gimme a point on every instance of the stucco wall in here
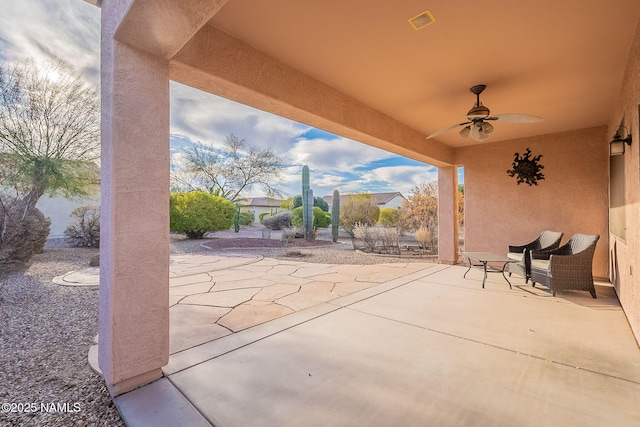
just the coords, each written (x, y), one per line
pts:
(625, 254)
(58, 210)
(573, 197)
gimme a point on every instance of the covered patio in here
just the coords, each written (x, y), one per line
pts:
(425, 348)
(360, 70)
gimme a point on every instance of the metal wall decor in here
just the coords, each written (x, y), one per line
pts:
(526, 168)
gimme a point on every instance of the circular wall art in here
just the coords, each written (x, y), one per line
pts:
(526, 168)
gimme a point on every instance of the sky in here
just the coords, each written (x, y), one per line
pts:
(69, 30)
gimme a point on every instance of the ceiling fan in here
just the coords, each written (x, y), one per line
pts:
(478, 117)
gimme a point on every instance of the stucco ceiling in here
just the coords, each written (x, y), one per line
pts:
(560, 60)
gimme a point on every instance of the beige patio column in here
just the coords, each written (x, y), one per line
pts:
(448, 214)
(134, 254)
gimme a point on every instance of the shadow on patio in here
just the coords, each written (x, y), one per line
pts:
(427, 348)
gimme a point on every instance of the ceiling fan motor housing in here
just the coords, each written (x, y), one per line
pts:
(478, 112)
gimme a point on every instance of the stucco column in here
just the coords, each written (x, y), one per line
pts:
(134, 254)
(448, 214)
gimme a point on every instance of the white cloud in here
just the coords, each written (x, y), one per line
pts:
(400, 178)
(208, 118)
(338, 154)
(67, 30)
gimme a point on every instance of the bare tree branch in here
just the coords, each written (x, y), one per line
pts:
(232, 170)
(50, 129)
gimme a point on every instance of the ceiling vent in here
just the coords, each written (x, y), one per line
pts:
(422, 20)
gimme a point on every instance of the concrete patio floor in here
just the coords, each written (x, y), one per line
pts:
(425, 347)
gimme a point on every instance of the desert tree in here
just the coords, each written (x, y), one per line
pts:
(49, 144)
(358, 210)
(49, 131)
(419, 212)
(229, 171)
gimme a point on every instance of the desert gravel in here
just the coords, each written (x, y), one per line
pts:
(46, 329)
(45, 334)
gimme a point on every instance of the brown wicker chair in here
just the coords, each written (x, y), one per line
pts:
(546, 240)
(567, 267)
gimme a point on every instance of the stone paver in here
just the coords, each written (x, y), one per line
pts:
(211, 296)
(185, 314)
(229, 299)
(309, 295)
(253, 313)
(196, 288)
(275, 292)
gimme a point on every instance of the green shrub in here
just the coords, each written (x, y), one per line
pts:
(358, 209)
(197, 213)
(321, 219)
(293, 202)
(388, 217)
(262, 215)
(246, 218)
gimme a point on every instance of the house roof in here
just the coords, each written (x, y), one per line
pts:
(378, 198)
(265, 202)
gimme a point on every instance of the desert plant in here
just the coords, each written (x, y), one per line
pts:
(369, 235)
(262, 215)
(278, 221)
(196, 213)
(390, 238)
(335, 215)
(321, 219)
(307, 204)
(236, 219)
(420, 210)
(423, 236)
(246, 218)
(388, 217)
(293, 202)
(358, 209)
(49, 130)
(84, 230)
(290, 233)
(23, 230)
(229, 170)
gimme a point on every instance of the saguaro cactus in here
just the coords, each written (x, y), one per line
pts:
(335, 215)
(236, 219)
(307, 205)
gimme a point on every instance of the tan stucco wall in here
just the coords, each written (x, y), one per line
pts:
(573, 197)
(625, 254)
(134, 223)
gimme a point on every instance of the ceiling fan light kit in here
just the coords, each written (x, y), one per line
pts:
(477, 124)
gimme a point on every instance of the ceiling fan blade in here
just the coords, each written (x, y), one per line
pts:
(515, 118)
(441, 131)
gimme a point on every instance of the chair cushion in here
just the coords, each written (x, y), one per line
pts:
(540, 264)
(515, 255)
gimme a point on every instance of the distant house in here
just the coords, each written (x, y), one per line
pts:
(258, 205)
(383, 200)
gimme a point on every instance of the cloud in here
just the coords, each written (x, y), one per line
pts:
(399, 178)
(64, 30)
(210, 119)
(69, 30)
(339, 154)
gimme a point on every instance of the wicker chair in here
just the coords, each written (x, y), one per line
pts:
(546, 240)
(567, 267)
